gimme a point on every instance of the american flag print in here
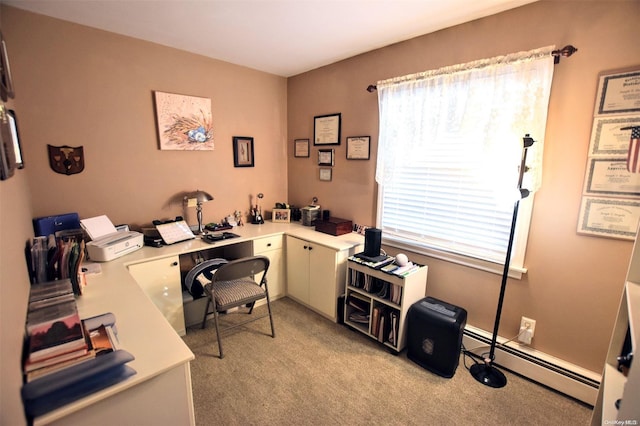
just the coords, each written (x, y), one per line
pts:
(633, 158)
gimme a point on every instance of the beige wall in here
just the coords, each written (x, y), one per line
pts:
(574, 281)
(84, 87)
(78, 86)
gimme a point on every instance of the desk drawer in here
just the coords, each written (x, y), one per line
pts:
(260, 245)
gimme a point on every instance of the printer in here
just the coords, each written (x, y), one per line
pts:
(107, 243)
(114, 245)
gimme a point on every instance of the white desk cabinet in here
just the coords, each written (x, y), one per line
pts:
(160, 280)
(271, 247)
(315, 275)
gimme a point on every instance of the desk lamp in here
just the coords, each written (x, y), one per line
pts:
(197, 198)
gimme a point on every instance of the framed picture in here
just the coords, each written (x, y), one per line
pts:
(325, 174)
(325, 157)
(358, 147)
(618, 93)
(301, 148)
(242, 151)
(15, 138)
(6, 83)
(607, 137)
(326, 129)
(184, 122)
(281, 215)
(610, 177)
(609, 217)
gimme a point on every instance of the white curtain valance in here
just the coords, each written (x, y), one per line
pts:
(483, 107)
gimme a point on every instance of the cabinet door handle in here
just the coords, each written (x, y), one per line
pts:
(174, 264)
(268, 244)
(305, 247)
(310, 248)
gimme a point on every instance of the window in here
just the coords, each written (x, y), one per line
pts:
(449, 149)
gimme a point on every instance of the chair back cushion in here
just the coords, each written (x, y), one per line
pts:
(191, 282)
(243, 268)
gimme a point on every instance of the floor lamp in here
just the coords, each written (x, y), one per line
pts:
(486, 373)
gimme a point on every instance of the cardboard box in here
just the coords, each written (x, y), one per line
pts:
(334, 226)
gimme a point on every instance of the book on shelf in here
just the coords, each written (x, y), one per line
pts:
(406, 269)
(372, 263)
(358, 303)
(359, 317)
(395, 293)
(377, 314)
(393, 332)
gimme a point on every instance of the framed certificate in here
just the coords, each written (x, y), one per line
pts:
(358, 147)
(325, 157)
(618, 93)
(326, 129)
(325, 174)
(610, 177)
(301, 148)
(609, 217)
(606, 137)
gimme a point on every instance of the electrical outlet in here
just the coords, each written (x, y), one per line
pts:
(527, 330)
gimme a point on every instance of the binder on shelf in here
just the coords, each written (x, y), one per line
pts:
(50, 392)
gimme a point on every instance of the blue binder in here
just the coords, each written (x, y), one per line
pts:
(47, 225)
(70, 384)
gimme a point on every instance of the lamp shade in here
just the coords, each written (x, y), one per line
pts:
(200, 196)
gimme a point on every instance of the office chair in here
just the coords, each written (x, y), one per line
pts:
(238, 283)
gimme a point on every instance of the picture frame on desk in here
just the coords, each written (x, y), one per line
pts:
(281, 215)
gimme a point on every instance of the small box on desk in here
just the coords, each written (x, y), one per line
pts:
(334, 226)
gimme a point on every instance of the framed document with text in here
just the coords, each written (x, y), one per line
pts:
(607, 217)
(608, 138)
(326, 129)
(358, 147)
(301, 148)
(618, 93)
(610, 177)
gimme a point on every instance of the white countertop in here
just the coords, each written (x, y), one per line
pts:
(142, 329)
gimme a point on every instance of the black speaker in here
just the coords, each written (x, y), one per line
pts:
(372, 242)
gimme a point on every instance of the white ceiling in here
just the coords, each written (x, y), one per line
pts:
(282, 37)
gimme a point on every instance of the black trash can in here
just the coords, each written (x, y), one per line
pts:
(434, 335)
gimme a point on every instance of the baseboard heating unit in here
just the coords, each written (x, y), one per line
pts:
(545, 369)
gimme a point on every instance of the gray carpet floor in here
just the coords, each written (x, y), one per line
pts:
(315, 372)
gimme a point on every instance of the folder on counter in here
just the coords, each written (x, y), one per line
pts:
(70, 384)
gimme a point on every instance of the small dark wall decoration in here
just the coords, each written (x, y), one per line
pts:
(66, 160)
